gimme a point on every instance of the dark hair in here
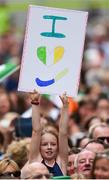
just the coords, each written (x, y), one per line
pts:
(98, 141)
(1, 138)
(10, 175)
(102, 97)
(86, 102)
(75, 150)
(79, 140)
(76, 117)
(70, 143)
(4, 176)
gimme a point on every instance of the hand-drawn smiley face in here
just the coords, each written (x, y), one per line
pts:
(58, 54)
(58, 51)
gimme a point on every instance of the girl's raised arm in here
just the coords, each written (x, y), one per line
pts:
(63, 134)
(36, 127)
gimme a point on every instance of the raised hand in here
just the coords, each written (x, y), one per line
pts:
(35, 97)
(64, 100)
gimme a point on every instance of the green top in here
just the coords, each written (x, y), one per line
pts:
(61, 177)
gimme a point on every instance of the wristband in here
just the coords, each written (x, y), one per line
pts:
(35, 102)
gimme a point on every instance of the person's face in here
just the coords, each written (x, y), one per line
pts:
(4, 104)
(37, 171)
(83, 142)
(101, 170)
(70, 167)
(103, 108)
(40, 173)
(101, 132)
(49, 146)
(85, 162)
(95, 147)
(86, 110)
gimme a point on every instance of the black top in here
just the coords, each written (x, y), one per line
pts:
(55, 170)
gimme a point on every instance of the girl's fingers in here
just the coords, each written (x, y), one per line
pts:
(34, 95)
(64, 98)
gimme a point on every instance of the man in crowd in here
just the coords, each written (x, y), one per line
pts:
(84, 162)
(35, 170)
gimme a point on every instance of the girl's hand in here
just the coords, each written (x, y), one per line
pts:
(64, 100)
(35, 97)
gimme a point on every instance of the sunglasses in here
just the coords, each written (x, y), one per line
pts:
(103, 139)
(41, 176)
(12, 174)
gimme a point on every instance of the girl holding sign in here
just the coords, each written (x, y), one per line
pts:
(47, 146)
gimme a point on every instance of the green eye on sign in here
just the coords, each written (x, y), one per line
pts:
(41, 53)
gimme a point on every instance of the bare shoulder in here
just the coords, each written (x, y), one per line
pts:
(38, 158)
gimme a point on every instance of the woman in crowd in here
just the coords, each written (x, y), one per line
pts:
(9, 168)
(47, 146)
(100, 168)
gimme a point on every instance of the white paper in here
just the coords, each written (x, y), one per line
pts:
(53, 58)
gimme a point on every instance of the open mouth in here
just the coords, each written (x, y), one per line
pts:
(49, 153)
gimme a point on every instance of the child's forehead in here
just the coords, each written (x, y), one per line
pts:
(48, 136)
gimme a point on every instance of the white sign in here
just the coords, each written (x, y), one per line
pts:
(53, 49)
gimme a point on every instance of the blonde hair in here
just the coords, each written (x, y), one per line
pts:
(18, 150)
(8, 162)
(94, 126)
(50, 129)
(77, 176)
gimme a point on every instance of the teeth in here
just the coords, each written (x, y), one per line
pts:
(49, 152)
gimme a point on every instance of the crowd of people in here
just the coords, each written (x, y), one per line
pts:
(39, 139)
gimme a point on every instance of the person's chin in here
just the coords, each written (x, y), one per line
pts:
(87, 173)
(49, 157)
(71, 172)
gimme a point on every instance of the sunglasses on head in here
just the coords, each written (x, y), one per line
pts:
(103, 139)
(12, 174)
(40, 176)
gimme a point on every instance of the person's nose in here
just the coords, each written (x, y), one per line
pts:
(87, 162)
(49, 146)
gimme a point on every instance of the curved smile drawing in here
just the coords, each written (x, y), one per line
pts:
(44, 83)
